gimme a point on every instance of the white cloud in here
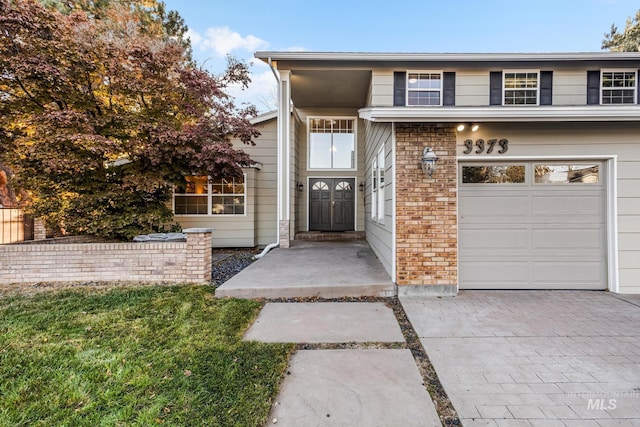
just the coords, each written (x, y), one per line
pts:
(222, 41)
(262, 91)
(296, 49)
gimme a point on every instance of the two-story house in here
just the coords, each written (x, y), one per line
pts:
(463, 171)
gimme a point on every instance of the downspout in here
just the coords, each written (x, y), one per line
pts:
(277, 242)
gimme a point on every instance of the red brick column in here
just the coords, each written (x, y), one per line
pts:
(426, 211)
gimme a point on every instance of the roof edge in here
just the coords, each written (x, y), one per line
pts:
(459, 57)
(606, 113)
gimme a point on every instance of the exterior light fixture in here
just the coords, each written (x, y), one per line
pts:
(361, 186)
(460, 127)
(474, 127)
(300, 186)
(429, 160)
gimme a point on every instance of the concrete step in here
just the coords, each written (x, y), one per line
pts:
(237, 290)
(330, 236)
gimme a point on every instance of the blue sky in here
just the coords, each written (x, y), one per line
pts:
(240, 27)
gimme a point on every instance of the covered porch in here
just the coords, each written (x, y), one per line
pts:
(321, 269)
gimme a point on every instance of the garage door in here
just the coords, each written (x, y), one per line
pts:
(533, 225)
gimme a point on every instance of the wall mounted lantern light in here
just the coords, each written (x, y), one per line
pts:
(300, 186)
(361, 186)
(429, 160)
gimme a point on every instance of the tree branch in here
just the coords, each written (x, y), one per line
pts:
(31, 97)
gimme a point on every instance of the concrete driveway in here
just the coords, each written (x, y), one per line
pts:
(543, 358)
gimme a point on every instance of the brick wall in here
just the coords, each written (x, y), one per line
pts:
(188, 261)
(426, 211)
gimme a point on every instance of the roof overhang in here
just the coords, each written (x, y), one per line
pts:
(595, 113)
(270, 56)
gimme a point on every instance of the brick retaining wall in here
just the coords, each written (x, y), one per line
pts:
(188, 261)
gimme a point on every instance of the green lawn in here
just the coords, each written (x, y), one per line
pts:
(134, 357)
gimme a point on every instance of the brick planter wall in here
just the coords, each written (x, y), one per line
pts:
(188, 261)
(426, 211)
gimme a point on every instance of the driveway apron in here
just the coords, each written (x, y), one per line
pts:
(543, 358)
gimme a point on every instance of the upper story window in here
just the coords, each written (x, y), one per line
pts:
(424, 88)
(201, 196)
(520, 87)
(332, 143)
(618, 87)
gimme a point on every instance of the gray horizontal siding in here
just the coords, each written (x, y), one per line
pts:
(380, 235)
(585, 139)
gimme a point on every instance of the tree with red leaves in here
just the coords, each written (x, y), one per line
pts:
(101, 114)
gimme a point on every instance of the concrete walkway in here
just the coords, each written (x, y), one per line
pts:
(312, 269)
(356, 387)
(542, 358)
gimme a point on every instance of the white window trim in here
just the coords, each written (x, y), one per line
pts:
(210, 203)
(381, 185)
(504, 88)
(355, 143)
(619, 70)
(374, 188)
(407, 90)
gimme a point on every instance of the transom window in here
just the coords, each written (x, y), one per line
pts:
(320, 186)
(343, 186)
(618, 87)
(520, 87)
(424, 88)
(332, 143)
(201, 196)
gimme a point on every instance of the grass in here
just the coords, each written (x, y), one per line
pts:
(134, 357)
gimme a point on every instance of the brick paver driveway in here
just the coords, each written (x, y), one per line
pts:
(539, 358)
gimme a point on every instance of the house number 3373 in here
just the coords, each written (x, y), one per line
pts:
(480, 146)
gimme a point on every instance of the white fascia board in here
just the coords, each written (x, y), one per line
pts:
(499, 113)
(264, 117)
(457, 57)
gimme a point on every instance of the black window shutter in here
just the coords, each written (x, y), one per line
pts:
(593, 87)
(495, 88)
(399, 88)
(449, 89)
(546, 87)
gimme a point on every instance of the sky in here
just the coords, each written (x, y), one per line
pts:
(218, 28)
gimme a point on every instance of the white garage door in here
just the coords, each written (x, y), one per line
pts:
(532, 225)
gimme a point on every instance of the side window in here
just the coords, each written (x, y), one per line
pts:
(381, 167)
(377, 186)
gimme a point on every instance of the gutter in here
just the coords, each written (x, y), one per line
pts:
(277, 242)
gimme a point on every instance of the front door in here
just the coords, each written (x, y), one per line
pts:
(331, 204)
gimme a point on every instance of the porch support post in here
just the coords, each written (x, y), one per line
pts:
(284, 157)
